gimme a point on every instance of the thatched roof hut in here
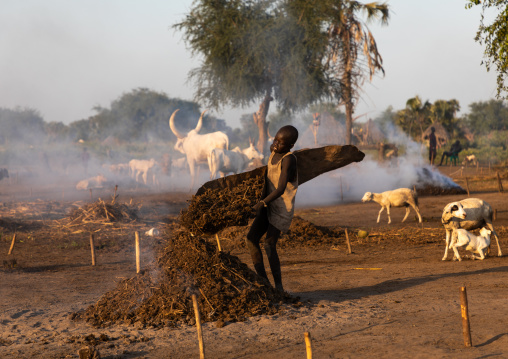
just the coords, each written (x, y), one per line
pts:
(441, 134)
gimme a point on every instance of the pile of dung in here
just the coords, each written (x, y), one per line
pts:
(302, 233)
(103, 211)
(430, 190)
(227, 290)
(216, 209)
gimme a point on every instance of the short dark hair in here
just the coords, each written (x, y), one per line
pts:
(290, 132)
(433, 129)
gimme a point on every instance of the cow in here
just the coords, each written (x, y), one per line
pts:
(197, 147)
(143, 168)
(470, 160)
(224, 161)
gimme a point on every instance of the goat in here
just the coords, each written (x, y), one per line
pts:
(93, 182)
(401, 197)
(477, 244)
(470, 213)
(471, 159)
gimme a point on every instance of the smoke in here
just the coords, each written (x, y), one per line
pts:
(349, 184)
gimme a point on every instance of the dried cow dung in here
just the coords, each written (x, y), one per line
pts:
(216, 209)
(226, 288)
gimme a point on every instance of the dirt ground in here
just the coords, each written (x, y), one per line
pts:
(393, 296)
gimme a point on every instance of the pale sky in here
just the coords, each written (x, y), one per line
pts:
(64, 57)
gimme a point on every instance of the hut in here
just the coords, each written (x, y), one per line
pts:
(441, 134)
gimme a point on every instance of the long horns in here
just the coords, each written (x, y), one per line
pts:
(176, 132)
(200, 122)
(172, 125)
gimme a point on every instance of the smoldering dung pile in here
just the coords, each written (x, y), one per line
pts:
(227, 290)
(432, 183)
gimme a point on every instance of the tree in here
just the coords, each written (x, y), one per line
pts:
(485, 117)
(256, 51)
(352, 51)
(493, 37)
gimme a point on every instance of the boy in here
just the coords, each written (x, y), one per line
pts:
(275, 210)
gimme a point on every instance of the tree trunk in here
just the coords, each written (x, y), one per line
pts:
(260, 121)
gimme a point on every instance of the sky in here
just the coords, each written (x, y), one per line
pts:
(63, 58)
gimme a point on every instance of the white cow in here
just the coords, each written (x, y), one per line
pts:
(197, 147)
(471, 159)
(143, 168)
(223, 161)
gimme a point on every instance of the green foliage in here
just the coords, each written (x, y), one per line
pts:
(21, 125)
(252, 49)
(485, 117)
(493, 37)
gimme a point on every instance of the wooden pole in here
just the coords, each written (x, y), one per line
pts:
(477, 165)
(138, 263)
(218, 242)
(466, 330)
(92, 248)
(198, 326)
(12, 244)
(308, 345)
(467, 186)
(114, 195)
(91, 199)
(348, 243)
(494, 217)
(341, 194)
(499, 183)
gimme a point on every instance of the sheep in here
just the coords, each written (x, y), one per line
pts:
(401, 197)
(93, 182)
(476, 244)
(478, 213)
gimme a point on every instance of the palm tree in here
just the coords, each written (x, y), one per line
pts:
(352, 52)
(418, 112)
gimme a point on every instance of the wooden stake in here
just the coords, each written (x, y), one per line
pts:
(499, 183)
(114, 195)
(138, 263)
(92, 248)
(12, 244)
(308, 345)
(494, 217)
(341, 195)
(467, 186)
(198, 326)
(466, 330)
(348, 243)
(218, 242)
(477, 165)
(90, 194)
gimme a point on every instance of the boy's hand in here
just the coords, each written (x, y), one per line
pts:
(258, 207)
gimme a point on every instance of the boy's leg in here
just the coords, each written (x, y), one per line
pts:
(272, 236)
(257, 230)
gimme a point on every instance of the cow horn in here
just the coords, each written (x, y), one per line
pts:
(200, 122)
(172, 125)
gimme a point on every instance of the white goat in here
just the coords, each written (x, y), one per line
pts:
(471, 159)
(93, 182)
(477, 244)
(401, 197)
(470, 213)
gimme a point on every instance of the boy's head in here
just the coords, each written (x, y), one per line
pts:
(285, 139)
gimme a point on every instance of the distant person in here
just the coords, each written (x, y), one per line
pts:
(454, 151)
(85, 157)
(432, 145)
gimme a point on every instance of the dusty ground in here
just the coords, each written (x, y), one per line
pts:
(392, 297)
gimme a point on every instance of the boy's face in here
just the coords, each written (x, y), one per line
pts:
(281, 143)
